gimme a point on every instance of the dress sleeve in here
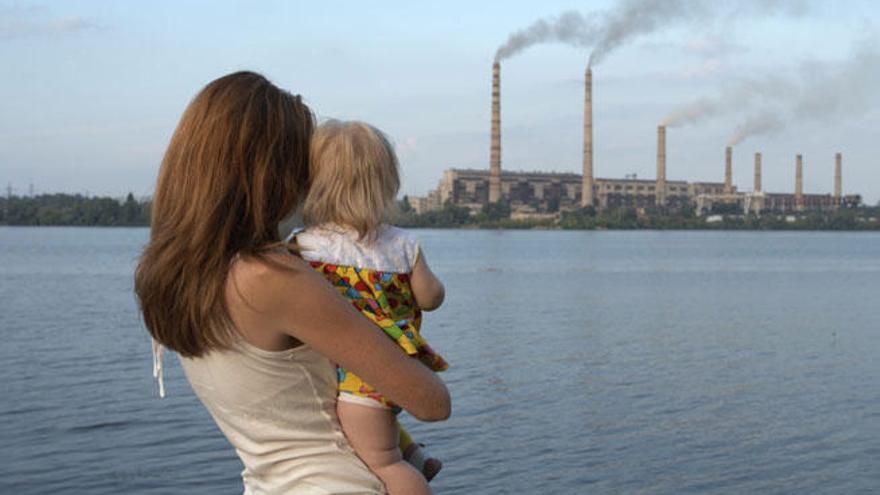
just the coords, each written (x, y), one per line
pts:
(406, 244)
(414, 250)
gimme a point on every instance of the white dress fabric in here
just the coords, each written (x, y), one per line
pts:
(390, 249)
(278, 409)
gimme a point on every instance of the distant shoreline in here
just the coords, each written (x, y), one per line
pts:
(455, 217)
(67, 210)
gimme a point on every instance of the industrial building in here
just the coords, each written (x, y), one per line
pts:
(551, 192)
(547, 193)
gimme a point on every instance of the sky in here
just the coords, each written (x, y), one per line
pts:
(92, 90)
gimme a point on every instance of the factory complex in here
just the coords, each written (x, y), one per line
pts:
(542, 194)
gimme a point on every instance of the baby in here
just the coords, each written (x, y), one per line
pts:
(383, 272)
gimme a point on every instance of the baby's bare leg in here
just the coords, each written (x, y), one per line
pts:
(415, 454)
(373, 434)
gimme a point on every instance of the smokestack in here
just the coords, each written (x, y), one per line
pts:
(660, 189)
(587, 186)
(838, 177)
(757, 172)
(799, 183)
(495, 146)
(728, 170)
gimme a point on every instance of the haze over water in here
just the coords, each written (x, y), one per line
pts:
(582, 362)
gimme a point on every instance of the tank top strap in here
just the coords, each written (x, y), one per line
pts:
(158, 350)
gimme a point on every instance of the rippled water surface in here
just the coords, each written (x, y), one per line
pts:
(583, 362)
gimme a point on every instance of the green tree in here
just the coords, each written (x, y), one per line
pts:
(404, 205)
(131, 211)
(496, 211)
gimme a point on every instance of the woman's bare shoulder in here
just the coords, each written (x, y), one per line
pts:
(263, 282)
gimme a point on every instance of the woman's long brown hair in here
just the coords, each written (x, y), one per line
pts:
(236, 166)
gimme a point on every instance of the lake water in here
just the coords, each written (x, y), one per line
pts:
(582, 362)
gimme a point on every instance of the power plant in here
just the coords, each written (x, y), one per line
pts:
(544, 194)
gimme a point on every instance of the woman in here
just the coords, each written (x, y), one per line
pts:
(257, 329)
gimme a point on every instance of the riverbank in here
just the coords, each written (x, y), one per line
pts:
(74, 210)
(858, 219)
(88, 211)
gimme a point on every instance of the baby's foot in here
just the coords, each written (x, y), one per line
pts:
(416, 455)
(432, 467)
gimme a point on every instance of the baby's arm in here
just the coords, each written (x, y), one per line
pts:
(427, 288)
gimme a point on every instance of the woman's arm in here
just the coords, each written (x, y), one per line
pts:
(427, 288)
(293, 299)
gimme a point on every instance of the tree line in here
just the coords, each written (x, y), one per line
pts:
(79, 210)
(74, 210)
(497, 215)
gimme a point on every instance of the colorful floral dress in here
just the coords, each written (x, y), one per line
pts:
(374, 274)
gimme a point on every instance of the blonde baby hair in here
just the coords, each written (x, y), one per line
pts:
(353, 177)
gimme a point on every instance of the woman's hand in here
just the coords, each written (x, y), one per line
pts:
(285, 296)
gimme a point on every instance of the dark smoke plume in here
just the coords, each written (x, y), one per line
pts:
(570, 28)
(630, 19)
(606, 31)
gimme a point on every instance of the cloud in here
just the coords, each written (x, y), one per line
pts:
(407, 148)
(714, 51)
(706, 69)
(712, 45)
(20, 22)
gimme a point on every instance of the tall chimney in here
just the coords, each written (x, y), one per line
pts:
(728, 170)
(660, 187)
(757, 172)
(838, 178)
(587, 186)
(799, 183)
(495, 147)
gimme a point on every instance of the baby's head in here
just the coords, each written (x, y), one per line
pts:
(353, 177)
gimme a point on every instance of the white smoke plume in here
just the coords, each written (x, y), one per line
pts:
(730, 100)
(814, 92)
(606, 31)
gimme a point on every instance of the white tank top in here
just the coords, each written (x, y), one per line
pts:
(278, 409)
